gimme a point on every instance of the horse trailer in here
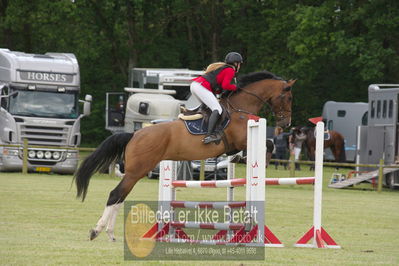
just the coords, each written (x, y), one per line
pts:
(345, 117)
(153, 94)
(380, 138)
(39, 102)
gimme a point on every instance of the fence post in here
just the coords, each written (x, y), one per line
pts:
(380, 175)
(25, 157)
(202, 170)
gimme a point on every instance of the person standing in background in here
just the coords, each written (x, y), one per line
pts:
(281, 145)
(297, 139)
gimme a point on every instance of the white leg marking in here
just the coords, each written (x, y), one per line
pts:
(104, 219)
(111, 221)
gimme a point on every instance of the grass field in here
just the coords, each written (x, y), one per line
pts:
(42, 222)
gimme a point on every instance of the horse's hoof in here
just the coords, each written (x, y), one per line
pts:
(238, 159)
(111, 236)
(93, 234)
(235, 159)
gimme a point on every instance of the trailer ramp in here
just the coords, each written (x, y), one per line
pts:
(361, 178)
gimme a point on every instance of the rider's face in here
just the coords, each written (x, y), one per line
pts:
(237, 66)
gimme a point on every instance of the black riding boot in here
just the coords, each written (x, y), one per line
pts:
(211, 136)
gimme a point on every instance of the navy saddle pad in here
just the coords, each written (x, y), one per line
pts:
(198, 127)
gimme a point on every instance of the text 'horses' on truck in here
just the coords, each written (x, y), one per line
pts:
(39, 102)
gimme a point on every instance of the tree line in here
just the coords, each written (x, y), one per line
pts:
(335, 48)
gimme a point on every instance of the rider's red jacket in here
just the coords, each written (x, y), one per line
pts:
(223, 79)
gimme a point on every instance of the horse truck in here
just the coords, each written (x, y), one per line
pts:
(39, 102)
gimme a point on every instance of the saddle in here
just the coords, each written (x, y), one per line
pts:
(196, 120)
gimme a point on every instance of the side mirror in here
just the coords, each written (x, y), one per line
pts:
(87, 105)
(86, 108)
(88, 98)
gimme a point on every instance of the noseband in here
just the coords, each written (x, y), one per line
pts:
(280, 114)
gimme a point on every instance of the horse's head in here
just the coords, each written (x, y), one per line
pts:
(281, 103)
(260, 88)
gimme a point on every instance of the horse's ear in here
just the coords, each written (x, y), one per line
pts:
(289, 84)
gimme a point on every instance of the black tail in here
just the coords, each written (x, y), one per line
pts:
(109, 150)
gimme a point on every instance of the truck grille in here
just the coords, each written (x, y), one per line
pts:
(43, 135)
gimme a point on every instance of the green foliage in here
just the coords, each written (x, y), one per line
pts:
(334, 48)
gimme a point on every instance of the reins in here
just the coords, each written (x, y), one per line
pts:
(279, 114)
(241, 110)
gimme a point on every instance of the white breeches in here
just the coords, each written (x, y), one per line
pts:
(297, 152)
(205, 96)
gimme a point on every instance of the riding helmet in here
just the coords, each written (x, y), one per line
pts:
(233, 57)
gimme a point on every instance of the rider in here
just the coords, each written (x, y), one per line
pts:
(218, 77)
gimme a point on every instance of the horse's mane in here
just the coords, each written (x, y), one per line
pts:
(254, 77)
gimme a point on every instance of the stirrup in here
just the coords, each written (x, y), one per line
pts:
(212, 138)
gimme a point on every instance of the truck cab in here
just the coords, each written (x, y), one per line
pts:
(39, 102)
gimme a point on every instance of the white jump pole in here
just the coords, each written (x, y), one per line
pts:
(166, 191)
(256, 174)
(319, 237)
(318, 186)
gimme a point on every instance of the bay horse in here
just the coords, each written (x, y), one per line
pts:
(145, 148)
(335, 141)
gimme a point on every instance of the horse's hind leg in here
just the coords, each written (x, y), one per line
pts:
(115, 201)
(110, 211)
(111, 222)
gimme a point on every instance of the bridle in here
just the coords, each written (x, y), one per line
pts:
(279, 115)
